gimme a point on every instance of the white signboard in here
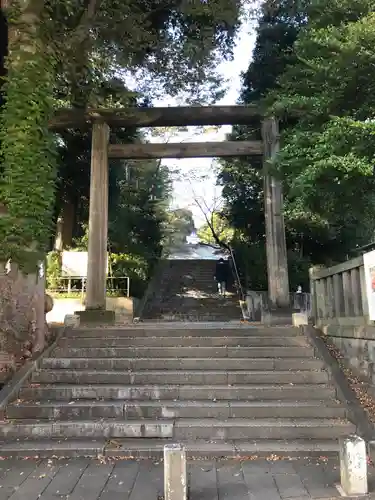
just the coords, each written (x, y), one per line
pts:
(74, 264)
(369, 265)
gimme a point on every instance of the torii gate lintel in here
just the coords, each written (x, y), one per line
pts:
(102, 120)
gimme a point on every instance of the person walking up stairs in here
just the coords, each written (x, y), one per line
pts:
(188, 292)
(221, 276)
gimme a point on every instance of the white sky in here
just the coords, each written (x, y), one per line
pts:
(190, 170)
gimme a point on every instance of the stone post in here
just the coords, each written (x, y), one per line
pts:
(277, 262)
(337, 294)
(314, 308)
(98, 222)
(353, 466)
(330, 297)
(356, 291)
(347, 288)
(364, 302)
(175, 475)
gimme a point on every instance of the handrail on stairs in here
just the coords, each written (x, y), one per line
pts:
(236, 274)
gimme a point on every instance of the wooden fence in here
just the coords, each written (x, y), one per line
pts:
(339, 294)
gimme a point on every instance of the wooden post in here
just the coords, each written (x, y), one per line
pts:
(98, 219)
(277, 263)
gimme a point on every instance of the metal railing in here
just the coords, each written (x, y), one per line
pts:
(76, 285)
(236, 275)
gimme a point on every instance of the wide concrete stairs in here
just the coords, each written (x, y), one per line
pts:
(187, 291)
(221, 390)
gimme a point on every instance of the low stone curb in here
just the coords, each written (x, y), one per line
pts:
(9, 390)
(365, 428)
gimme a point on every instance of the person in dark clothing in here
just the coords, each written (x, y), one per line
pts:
(221, 276)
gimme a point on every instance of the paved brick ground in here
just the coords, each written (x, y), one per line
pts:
(131, 480)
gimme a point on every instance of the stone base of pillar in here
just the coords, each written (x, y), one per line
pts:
(96, 316)
(277, 316)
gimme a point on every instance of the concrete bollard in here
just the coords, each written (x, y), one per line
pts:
(175, 475)
(353, 466)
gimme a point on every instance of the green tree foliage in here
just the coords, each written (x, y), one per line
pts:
(138, 208)
(174, 45)
(27, 149)
(328, 156)
(133, 187)
(68, 52)
(179, 224)
(216, 228)
(138, 203)
(242, 178)
(313, 66)
(3, 52)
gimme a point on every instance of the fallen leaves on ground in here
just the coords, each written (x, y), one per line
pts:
(358, 386)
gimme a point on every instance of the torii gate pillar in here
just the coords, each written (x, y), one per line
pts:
(98, 229)
(277, 261)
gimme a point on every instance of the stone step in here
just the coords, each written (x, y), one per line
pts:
(153, 448)
(194, 317)
(189, 330)
(208, 294)
(180, 377)
(221, 311)
(181, 429)
(183, 352)
(93, 409)
(243, 341)
(185, 306)
(224, 313)
(282, 428)
(36, 392)
(136, 364)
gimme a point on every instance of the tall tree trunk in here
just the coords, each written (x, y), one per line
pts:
(65, 227)
(24, 47)
(3, 51)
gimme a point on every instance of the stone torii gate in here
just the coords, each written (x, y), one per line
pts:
(102, 119)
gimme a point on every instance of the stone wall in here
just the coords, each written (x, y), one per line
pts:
(22, 320)
(357, 346)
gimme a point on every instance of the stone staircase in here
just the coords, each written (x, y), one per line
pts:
(221, 389)
(188, 292)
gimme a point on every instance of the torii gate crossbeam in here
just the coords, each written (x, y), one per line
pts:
(101, 120)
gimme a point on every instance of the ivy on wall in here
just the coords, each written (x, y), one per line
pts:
(28, 169)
